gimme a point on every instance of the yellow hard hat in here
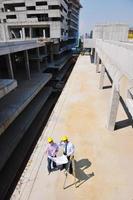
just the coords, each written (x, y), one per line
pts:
(64, 138)
(50, 139)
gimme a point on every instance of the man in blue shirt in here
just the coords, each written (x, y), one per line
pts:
(68, 150)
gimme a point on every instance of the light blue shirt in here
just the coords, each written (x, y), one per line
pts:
(70, 148)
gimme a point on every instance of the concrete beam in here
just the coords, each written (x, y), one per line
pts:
(21, 45)
(113, 108)
(26, 57)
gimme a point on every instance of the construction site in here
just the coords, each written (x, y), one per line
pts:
(49, 91)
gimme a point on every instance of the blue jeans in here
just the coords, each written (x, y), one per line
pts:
(50, 163)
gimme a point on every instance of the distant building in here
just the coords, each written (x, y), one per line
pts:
(116, 32)
(27, 19)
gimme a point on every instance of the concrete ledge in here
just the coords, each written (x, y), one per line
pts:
(60, 63)
(7, 85)
(64, 70)
(15, 46)
(14, 103)
(11, 138)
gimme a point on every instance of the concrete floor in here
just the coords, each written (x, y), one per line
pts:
(81, 113)
(14, 103)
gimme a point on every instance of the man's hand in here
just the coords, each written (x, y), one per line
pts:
(72, 157)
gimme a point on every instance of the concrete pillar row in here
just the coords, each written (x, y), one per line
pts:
(101, 83)
(113, 108)
(27, 65)
(9, 66)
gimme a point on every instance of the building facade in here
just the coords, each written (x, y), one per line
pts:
(26, 19)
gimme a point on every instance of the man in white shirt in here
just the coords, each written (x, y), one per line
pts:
(68, 150)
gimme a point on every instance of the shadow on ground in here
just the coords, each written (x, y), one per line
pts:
(107, 87)
(80, 176)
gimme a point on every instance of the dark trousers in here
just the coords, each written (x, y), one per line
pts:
(50, 163)
(68, 166)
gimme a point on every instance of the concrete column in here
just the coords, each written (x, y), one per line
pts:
(45, 51)
(113, 108)
(101, 83)
(30, 32)
(51, 53)
(23, 33)
(91, 53)
(38, 61)
(4, 31)
(95, 57)
(26, 57)
(97, 64)
(9, 66)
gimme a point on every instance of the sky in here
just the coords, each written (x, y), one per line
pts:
(104, 11)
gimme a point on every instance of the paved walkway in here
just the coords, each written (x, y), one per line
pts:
(81, 113)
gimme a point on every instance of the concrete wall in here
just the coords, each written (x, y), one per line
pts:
(116, 32)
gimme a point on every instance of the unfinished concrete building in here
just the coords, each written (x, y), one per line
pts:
(113, 56)
(26, 19)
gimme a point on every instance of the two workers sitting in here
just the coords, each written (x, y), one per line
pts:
(52, 150)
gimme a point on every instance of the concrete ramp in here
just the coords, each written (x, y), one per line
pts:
(104, 160)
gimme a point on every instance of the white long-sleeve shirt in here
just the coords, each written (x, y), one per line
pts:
(70, 148)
